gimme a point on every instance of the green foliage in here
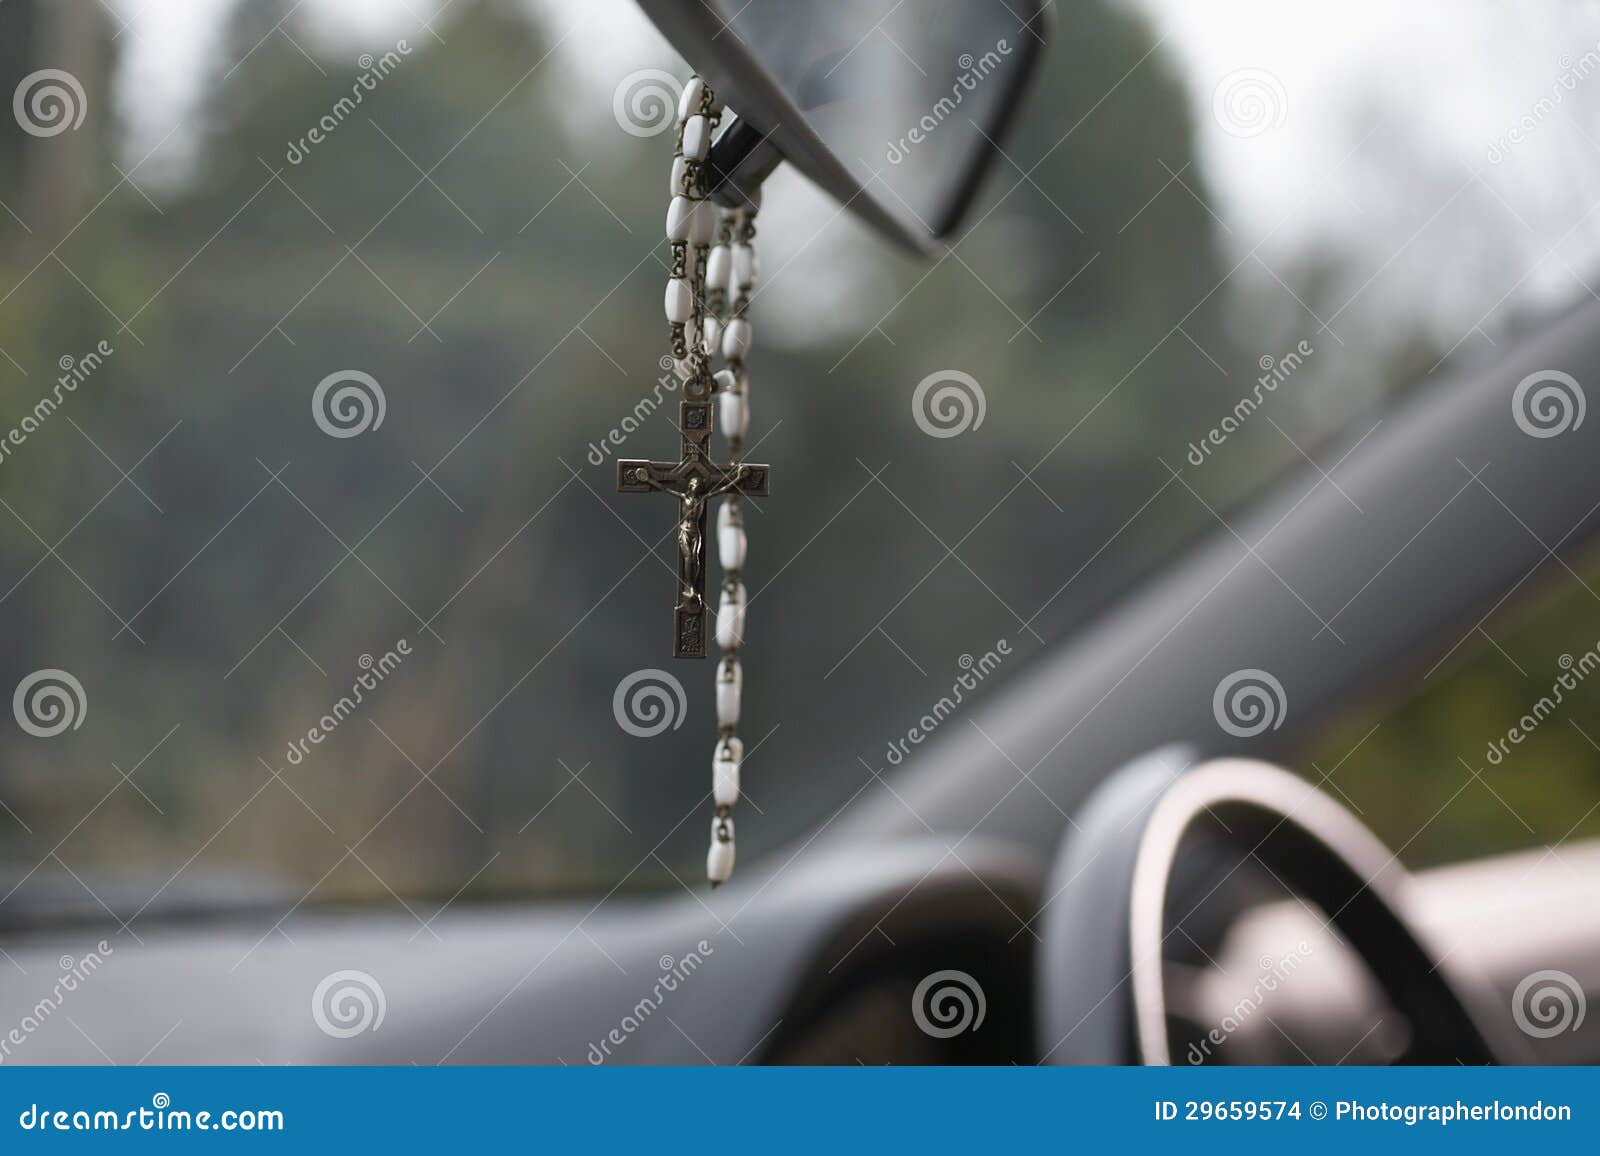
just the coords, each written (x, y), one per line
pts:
(1440, 775)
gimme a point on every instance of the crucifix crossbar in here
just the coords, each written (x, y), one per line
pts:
(694, 481)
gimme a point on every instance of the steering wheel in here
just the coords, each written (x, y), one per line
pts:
(1102, 984)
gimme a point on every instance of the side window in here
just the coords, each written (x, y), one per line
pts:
(1496, 749)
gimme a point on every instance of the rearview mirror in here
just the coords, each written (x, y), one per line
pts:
(896, 109)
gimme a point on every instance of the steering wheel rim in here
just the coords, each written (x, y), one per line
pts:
(1105, 917)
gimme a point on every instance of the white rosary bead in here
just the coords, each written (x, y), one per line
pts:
(733, 413)
(730, 687)
(719, 266)
(731, 543)
(713, 334)
(719, 860)
(680, 300)
(680, 212)
(677, 184)
(725, 772)
(744, 266)
(689, 98)
(730, 618)
(736, 339)
(696, 137)
(691, 220)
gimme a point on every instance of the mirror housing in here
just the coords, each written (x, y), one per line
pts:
(771, 126)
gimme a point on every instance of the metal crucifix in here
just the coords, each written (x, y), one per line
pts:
(694, 481)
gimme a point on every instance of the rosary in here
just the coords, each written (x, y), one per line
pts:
(708, 291)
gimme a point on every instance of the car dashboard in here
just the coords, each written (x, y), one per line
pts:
(916, 954)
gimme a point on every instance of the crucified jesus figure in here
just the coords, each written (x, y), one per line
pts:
(693, 480)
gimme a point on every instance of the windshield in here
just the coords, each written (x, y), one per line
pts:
(323, 328)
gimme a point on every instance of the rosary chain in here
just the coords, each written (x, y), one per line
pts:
(691, 225)
(708, 291)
